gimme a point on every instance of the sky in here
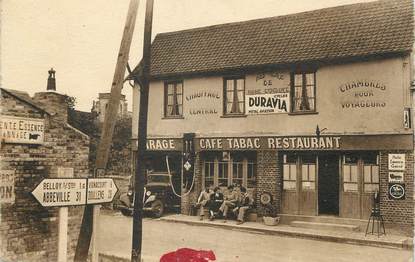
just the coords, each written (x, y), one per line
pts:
(80, 39)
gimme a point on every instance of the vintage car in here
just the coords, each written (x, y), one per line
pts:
(158, 196)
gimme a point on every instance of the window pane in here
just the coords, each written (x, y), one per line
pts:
(350, 187)
(289, 185)
(240, 84)
(310, 79)
(350, 159)
(290, 158)
(304, 172)
(298, 81)
(286, 172)
(293, 172)
(308, 185)
(308, 159)
(370, 158)
(312, 172)
(353, 173)
(179, 88)
(375, 174)
(367, 174)
(371, 187)
(170, 88)
(346, 173)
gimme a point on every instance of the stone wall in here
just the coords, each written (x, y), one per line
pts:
(28, 231)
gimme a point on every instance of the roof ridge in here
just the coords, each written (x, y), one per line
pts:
(259, 20)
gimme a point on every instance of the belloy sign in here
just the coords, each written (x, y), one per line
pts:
(396, 162)
(61, 192)
(7, 178)
(396, 191)
(21, 130)
(58, 192)
(101, 190)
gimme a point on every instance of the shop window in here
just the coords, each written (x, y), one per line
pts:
(235, 168)
(223, 174)
(289, 172)
(308, 172)
(251, 174)
(209, 173)
(173, 99)
(370, 173)
(234, 96)
(350, 173)
(303, 92)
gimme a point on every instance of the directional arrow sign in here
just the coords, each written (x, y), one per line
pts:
(61, 192)
(101, 190)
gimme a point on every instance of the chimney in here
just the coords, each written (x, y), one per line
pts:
(51, 80)
(52, 101)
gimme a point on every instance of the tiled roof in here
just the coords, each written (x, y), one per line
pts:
(343, 32)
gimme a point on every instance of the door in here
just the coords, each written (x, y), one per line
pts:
(328, 184)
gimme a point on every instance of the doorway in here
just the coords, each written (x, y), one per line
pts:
(328, 184)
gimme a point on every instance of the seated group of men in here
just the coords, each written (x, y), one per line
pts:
(237, 199)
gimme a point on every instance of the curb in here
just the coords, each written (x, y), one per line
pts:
(405, 244)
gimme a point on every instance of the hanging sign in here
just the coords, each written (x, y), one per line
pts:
(395, 177)
(21, 130)
(396, 191)
(396, 162)
(7, 178)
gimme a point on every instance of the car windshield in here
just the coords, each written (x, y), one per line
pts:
(158, 179)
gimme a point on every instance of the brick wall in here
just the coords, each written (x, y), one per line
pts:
(269, 179)
(397, 211)
(28, 231)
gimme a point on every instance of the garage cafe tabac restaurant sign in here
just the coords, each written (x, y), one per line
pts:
(21, 130)
(246, 143)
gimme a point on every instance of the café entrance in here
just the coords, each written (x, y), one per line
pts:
(328, 184)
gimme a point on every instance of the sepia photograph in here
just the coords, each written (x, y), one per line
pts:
(207, 130)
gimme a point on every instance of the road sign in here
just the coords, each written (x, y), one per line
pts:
(59, 192)
(101, 190)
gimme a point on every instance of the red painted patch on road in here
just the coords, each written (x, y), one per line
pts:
(188, 255)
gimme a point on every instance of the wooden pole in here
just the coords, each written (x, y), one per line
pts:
(111, 115)
(142, 138)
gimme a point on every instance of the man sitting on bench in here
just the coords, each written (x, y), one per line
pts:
(244, 205)
(202, 201)
(231, 201)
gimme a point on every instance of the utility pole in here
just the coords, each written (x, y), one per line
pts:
(142, 138)
(91, 213)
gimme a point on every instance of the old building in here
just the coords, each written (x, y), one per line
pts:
(313, 108)
(36, 143)
(100, 107)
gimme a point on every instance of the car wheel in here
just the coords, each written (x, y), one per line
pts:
(126, 212)
(158, 208)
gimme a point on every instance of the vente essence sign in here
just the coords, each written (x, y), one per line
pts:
(21, 130)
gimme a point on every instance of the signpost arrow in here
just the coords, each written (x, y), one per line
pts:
(59, 192)
(101, 190)
(55, 192)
